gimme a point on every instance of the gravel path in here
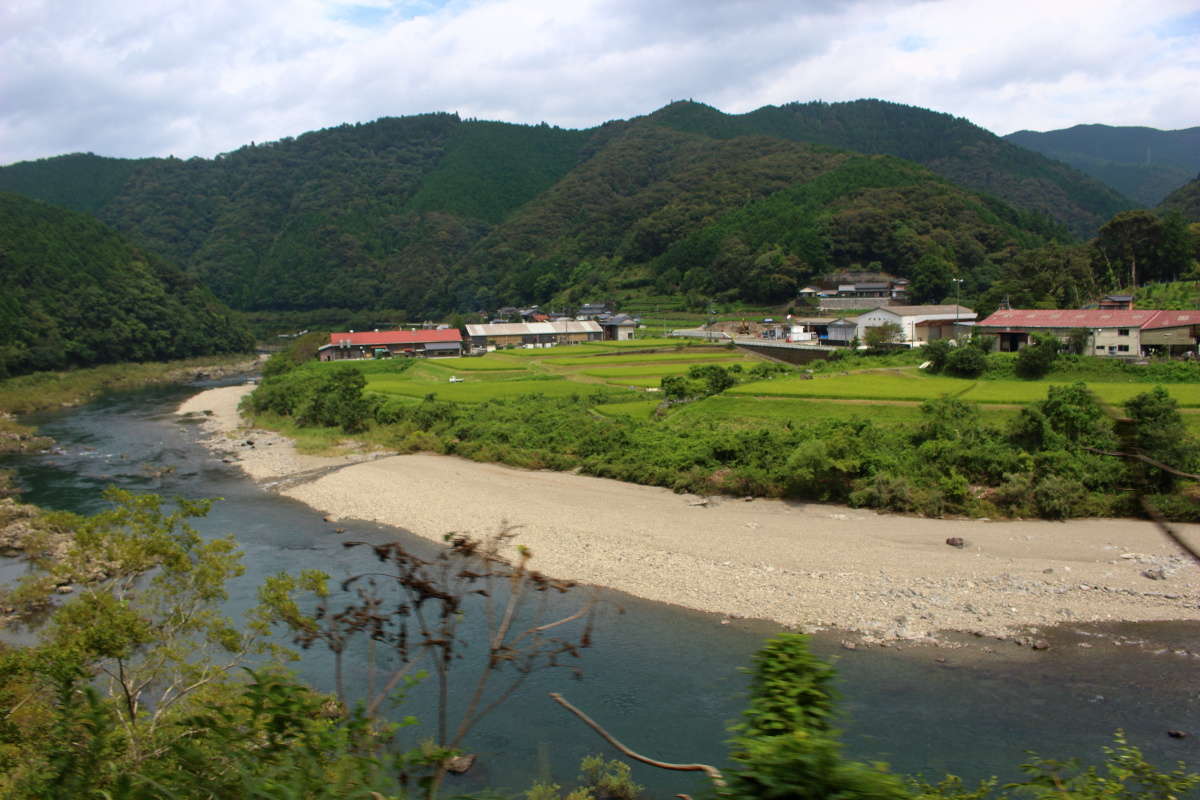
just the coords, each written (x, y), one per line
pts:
(809, 566)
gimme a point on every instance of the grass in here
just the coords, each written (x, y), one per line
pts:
(903, 385)
(491, 363)
(743, 411)
(647, 358)
(639, 370)
(481, 391)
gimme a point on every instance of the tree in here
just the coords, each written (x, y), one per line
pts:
(143, 627)
(1159, 432)
(1037, 359)
(966, 361)
(1129, 243)
(786, 746)
(877, 336)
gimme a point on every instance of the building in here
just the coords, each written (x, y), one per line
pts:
(374, 344)
(841, 331)
(918, 324)
(618, 327)
(532, 334)
(1109, 332)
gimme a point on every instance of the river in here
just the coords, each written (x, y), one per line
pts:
(663, 679)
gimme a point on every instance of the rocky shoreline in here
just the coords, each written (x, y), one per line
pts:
(882, 579)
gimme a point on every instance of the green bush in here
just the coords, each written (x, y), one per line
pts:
(966, 362)
(1037, 359)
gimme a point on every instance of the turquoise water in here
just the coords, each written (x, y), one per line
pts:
(664, 679)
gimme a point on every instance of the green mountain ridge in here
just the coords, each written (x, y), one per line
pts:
(1145, 164)
(433, 213)
(1185, 200)
(77, 294)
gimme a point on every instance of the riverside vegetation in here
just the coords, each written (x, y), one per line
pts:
(748, 428)
(137, 687)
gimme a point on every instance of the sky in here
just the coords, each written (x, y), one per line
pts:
(185, 78)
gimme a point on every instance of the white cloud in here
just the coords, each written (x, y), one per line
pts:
(152, 78)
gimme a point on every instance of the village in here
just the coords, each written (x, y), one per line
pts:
(1113, 327)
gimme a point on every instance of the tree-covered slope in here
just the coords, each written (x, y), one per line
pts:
(1144, 164)
(353, 216)
(76, 293)
(1185, 200)
(745, 218)
(431, 213)
(950, 146)
(79, 181)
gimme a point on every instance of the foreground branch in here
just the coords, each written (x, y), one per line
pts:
(713, 773)
(1150, 510)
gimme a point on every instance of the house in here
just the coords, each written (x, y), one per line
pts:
(1116, 302)
(532, 334)
(373, 344)
(592, 311)
(1126, 333)
(618, 327)
(918, 324)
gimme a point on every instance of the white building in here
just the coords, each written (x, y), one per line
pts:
(918, 324)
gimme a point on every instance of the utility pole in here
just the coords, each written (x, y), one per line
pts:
(957, 305)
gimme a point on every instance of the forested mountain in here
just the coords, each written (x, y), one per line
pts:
(76, 293)
(1144, 164)
(1185, 200)
(952, 147)
(432, 213)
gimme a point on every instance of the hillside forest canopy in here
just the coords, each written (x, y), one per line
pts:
(76, 293)
(433, 214)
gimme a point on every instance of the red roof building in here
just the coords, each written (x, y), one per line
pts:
(374, 344)
(1115, 332)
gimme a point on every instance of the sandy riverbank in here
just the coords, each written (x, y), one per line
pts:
(804, 565)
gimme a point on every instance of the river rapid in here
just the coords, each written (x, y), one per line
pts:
(663, 679)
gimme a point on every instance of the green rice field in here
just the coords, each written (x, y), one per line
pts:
(896, 385)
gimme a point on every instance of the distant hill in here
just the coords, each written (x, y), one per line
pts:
(1145, 164)
(76, 294)
(1185, 200)
(954, 148)
(433, 213)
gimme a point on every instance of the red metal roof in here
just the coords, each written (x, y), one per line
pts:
(1173, 319)
(381, 338)
(1070, 318)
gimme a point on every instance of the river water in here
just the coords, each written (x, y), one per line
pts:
(663, 679)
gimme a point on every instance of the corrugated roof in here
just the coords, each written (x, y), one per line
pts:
(380, 338)
(534, 328)
(1172, 319)
(1069, 318)
(916, 311)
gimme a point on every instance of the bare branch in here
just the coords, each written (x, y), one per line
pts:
(1150, 510)
(713, 773)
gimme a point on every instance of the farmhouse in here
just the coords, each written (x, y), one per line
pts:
(533, 334)
(618, 327)
(918, 324)
(1111, 332)
(372, 344)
